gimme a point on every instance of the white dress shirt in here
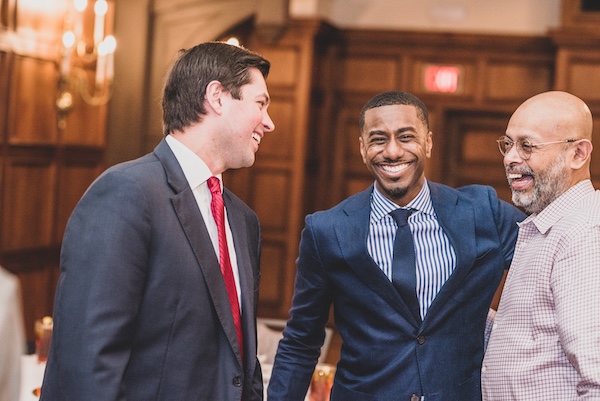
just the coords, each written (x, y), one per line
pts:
(197, 173)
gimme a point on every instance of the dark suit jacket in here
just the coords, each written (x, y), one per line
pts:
(386, 354)
(141, 310)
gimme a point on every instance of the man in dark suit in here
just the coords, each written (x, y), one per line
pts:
(411, 329)
(142, 309)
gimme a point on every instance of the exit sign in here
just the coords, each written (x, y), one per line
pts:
(439, 78)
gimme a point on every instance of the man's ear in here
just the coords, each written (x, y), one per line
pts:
(214, 92)
(583, 152)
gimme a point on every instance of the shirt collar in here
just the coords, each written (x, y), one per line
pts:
(382, 206)
(564, 205)
(195, 170)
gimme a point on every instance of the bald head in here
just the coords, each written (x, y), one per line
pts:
(556, 115)
(559, 125)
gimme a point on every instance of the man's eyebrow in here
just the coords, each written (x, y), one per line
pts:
(405, 129)
(376, 132)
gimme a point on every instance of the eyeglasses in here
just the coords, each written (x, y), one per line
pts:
(524, 146)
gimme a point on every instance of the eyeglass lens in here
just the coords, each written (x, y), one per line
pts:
(524, 147)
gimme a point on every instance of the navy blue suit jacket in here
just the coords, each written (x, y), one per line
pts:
(386, 353)
(141, 309)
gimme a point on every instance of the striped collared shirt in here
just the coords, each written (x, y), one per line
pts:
(435, 257)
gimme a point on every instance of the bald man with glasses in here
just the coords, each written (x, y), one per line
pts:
(545, 343)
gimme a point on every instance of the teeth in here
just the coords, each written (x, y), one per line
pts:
(394, 169)
(514, 176)
(256, 137)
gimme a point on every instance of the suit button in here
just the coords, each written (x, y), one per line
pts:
(237, 381)
(421, 340)
(414, 397)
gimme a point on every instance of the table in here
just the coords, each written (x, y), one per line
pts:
(32, 374)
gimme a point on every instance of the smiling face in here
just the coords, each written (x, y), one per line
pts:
(533, 190)
(547, 173)
(246, 122)
(394, 144)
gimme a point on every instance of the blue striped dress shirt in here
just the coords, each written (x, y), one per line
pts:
(435, 257)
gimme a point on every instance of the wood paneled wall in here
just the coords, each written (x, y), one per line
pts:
(44, 170)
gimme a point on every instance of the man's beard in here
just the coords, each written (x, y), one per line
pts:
(548, 185)
(397, 193)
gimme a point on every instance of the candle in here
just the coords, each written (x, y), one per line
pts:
(100, 9)
(80, 6)
(68, 41)
(111, 45)
(101, 64)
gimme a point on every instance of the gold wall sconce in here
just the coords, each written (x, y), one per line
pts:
(86, 66)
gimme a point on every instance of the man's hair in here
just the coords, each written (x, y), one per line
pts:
(185, 86)
(391, 98)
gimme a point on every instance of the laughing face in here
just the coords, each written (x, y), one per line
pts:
(246, 123)
(534, 190)
(545, 175)
(394, 145)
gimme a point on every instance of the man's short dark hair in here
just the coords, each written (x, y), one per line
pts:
(185, 87)
(391, 98)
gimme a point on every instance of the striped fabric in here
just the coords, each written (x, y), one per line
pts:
(435, 256)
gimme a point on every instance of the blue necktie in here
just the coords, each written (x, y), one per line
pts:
(404, 275)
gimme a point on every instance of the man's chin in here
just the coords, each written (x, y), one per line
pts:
(524, 201)
(396, 192)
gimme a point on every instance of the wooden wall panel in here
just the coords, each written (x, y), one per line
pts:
(516, 80)
(31, 108)
(270, 198)
(279, 144)
(369, 74)
(282, 57)
(584, 78)
(273, 273)
(28, 204)
(472, 155)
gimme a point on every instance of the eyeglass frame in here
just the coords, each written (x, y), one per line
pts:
(526, 154)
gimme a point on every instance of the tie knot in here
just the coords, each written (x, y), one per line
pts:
(401, 216)
(213, 185)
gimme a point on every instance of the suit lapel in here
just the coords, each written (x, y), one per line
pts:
(352, 233)
(192, 223)
(457, 219)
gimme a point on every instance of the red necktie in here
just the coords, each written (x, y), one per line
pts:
(218, 210)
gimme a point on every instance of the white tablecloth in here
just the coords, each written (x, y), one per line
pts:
(32, 374)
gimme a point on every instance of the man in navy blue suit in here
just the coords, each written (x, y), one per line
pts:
(142, 308)
(423, 342)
